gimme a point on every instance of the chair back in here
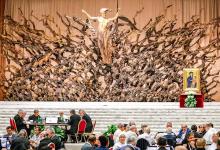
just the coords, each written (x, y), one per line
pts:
(13, 124)
(93, 125)
(81, 126)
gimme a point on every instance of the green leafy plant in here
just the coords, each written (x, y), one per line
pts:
(190, 100)
(111, 130)
(59, 132)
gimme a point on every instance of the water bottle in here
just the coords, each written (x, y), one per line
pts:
(8, 145)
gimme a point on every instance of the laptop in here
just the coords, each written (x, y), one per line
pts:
(51, 120)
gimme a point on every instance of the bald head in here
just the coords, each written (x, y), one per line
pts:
(180, 148)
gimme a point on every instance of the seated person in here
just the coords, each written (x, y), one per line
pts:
(180, 148)
(88, 120)
(35, 138)
(10, 134)
(54, 138)
(62, 118)
(131, 144)
(218, 144)
(103, 143)
(118, 132)
(183, 133)
(132, 131)
(201, 130)
(143, 144)
(194, 131)
(200, 144)
(90, 145)
(121, 142)
(170, 137)
(190, 143)
(147, 135)
(142, 129)
(21, 141)
(36, 118)
(162, 142)
(45, 144)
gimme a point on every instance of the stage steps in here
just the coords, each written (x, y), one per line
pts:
(107, 113)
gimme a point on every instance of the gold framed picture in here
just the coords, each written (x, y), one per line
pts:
(191, 79)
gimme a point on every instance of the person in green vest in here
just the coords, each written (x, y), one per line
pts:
(36, 120)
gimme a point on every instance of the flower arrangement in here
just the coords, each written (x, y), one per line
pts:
(190, 100)
(109, 134)
(111, 130)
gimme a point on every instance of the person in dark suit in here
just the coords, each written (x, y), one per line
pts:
(44, 144)
(54, 138)
(10, 134)
(21, 141)
(73, 122)
(88, 120)
(19, 120)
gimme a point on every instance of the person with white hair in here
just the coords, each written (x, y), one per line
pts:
(19, 120)
(103, 36)
(209, 133)
(88, 120)
(147, 135)
(121, 142)
(131, 144)
(132, 131)
(118, 132)
(21, 141)
(170, 137)
(54, 138)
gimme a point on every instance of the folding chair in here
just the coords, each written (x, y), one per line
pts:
(80, 130)
(86, 135)
(13, 124)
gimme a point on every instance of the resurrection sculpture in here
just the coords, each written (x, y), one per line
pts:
(146, 65)
(102, 34)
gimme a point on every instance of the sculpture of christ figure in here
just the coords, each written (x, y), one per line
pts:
(103, 37)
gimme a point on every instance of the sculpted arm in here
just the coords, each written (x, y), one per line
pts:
(114, 18)
(89, 16)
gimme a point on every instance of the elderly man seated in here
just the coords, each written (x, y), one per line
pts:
(131, 144)
(21, 141)
(132, 131)
(147, 135)
(54, 138)
(182, 135)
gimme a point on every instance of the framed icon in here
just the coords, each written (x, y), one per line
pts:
(191, 79)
